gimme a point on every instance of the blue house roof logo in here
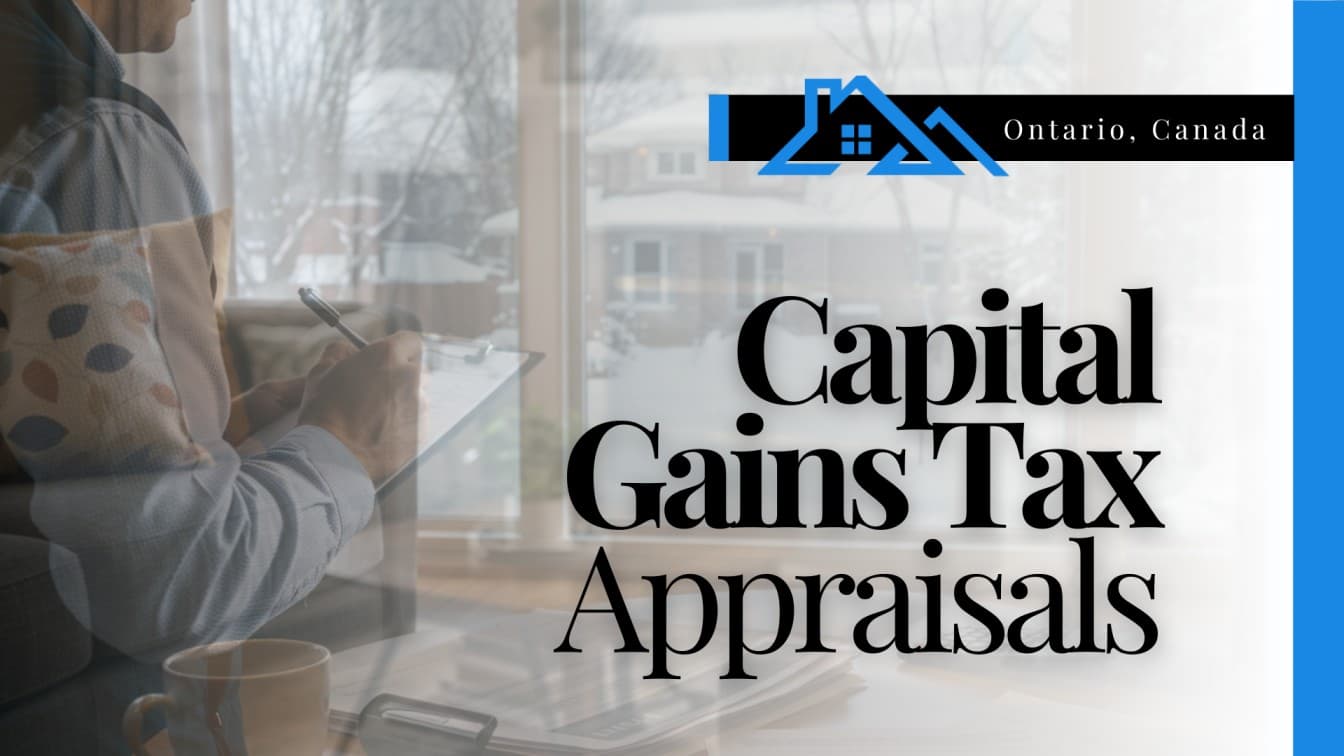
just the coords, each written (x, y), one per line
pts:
(856, 139)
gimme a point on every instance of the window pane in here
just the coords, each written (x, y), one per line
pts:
(648, 258)
(849, 237)
(667, 163)
(774, 258)
(374, 158)
(688, 163)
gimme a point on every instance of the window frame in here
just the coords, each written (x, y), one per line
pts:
(444, 538)
(856, 139)
(678, 153)
(760, 285)
(629, 288)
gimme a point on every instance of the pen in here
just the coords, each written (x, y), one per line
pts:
(330, 316)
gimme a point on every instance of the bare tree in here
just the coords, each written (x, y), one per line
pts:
(968, 45)
(419, 89)
(293, 66)
(300, 69)
(618, 67)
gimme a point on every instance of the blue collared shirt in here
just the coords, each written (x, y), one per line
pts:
(172, 559)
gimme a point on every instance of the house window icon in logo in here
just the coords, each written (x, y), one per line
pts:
(856, 139)
(912, 153)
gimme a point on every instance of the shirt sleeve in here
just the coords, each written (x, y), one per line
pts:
(177, 558)
(181, 558)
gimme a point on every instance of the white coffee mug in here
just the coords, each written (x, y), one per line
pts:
(254, 697)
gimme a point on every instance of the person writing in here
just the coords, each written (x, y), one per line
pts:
(172, 555)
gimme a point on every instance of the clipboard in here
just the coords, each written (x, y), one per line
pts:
(444, 361)
(460, 378)
(397, 726)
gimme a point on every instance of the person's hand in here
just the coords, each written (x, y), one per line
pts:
(262, 405)
(335, 352)
(369, 400)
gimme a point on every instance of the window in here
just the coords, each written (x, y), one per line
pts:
(676, 164)
(429, 150)
(760, 273)
(385, 132)
(646, 273)
(358, 131)
(686, 163)
(844, 234)
(856, 139)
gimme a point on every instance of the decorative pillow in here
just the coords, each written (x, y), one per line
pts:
(85, 385)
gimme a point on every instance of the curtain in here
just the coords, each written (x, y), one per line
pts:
(191, 83)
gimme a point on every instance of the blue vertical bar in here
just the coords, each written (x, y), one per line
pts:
(718, 127)
(1318, 272)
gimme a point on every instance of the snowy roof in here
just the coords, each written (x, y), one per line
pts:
(838, 204)
(683, 123)
(402, 262)
(328, 270)
(867, 203)
(428, 263)
(681, 209)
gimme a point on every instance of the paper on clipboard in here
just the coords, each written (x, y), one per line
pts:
(458, 378)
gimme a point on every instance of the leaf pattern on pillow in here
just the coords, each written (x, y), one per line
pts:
(85, 386)
(165, 395)
(36, 433)
(108, 358)
(67, 320)
(29, 270)
(40, 379)
(138, 311)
